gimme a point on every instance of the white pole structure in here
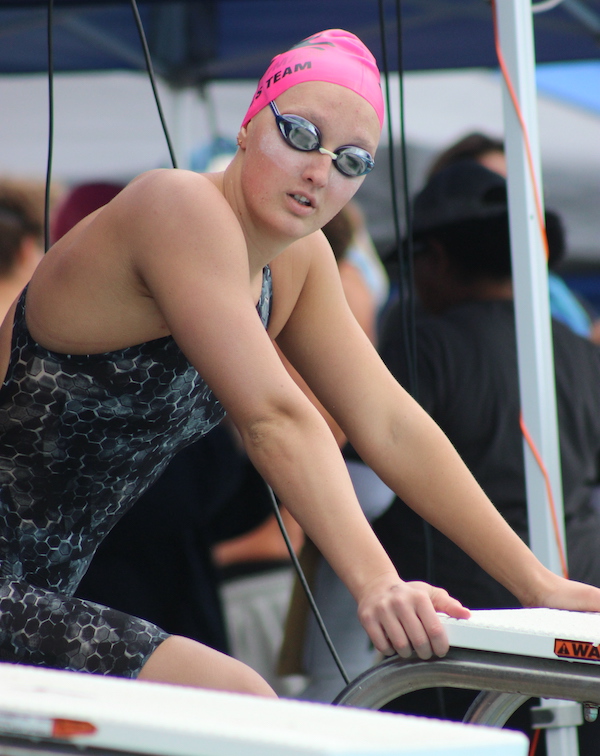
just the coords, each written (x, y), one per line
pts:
(532, 309)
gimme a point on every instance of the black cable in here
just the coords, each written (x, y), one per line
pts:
(150, 69)
(306, 587)
(408, 258)
(404, 282)
(50, 126)
(411, 309)
(405, 252)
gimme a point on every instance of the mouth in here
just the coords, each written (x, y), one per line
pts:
(301, 199)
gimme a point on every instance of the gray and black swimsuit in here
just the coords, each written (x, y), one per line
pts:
(81, 438)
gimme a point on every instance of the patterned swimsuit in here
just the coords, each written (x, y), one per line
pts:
(81, 438)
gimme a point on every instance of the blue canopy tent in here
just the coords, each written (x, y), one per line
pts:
(201, 40)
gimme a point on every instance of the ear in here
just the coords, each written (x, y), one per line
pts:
(242, 137)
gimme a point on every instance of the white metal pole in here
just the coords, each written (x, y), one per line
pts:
(532, 307)
(530, 278)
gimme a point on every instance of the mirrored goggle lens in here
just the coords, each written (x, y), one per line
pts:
(303, 135)
(300, 133)
(352, 161)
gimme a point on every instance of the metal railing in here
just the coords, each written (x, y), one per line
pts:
(506, 682)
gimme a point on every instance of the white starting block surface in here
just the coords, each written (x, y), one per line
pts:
(546, 633)
(93, 712)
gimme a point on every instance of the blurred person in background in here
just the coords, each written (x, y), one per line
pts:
(571, 309)
(468, 383)
(21, 237)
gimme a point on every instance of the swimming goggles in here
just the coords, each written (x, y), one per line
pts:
(305, 136)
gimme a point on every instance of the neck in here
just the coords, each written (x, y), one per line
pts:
(263, 244)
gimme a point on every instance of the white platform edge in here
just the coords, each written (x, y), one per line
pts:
(542, 633)
(150, 718)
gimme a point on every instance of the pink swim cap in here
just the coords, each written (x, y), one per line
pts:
(335, 56)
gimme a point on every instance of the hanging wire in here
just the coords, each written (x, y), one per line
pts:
(150, 69)
(290, 548)
(405, 251)
(407, 254)
(411, 307)
(306, 588)
(50, 25)
(404, 284)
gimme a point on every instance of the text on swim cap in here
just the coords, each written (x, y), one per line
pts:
(278, 75)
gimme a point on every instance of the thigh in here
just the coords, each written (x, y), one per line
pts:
(183, 661)
(47, 629)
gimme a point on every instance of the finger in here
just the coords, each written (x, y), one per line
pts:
(436, 633)
(443, 602)
(378, 636)
(416, 621)
(403, 625)
(407, 633)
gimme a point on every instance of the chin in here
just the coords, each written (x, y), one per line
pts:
(294, 227)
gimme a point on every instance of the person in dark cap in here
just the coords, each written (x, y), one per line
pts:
(468, 382)
(565, 305)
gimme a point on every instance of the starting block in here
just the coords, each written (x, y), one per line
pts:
(509, 654)
(542, 633)
(44, 712)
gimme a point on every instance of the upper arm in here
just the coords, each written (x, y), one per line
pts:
(359, 298)
(196, 270)
(324, 342)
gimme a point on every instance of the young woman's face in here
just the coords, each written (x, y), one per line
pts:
(295, 191)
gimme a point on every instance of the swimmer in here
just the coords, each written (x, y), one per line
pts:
(155, 316)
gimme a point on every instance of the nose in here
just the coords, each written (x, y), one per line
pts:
(319, 166)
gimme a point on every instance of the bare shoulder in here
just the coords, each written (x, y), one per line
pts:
(160, 183)
(163, 231)
(174, 201)
(173, 219)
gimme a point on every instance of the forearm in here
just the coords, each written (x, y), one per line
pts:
(413, 456)
(301, 461)
(298, 456)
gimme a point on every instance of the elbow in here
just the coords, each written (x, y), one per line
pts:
(274, 432)
(263, 430)
(260, 431)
